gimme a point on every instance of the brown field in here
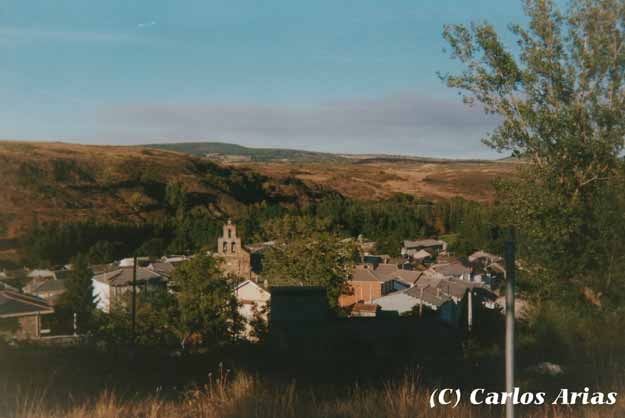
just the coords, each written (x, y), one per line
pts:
(380, 178)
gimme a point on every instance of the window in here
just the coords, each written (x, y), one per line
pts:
(225, 247)
(233, 248)
(229, 233)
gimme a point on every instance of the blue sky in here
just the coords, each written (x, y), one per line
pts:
(330, 75)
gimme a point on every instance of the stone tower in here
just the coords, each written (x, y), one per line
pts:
(236, 260)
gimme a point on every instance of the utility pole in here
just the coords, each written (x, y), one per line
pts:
(509, 253)
(134, 297)
(470, 309)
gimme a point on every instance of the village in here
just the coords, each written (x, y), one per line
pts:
(427, 280)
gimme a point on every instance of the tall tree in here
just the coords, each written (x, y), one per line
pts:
(78, 297)
(208, 309)
(307, 252)
(560, 95)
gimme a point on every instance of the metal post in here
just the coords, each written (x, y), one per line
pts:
(470, 309)
(510, 276)
(134, 297)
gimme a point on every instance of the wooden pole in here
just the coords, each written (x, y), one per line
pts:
(510, 277)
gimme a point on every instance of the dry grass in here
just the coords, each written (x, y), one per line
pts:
(381, 179)
(248, 397)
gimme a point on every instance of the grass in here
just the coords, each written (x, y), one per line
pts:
(245, 396)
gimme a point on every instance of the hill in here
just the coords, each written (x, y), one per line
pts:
(233, 152)
(58, 181)
(379, 178)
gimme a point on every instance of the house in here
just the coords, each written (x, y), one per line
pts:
(432, 246)
(481, 259)
(364, 310)
(455, 270)
(50, 290)
(235, 259)
(422, 256)
(364, 286)
(428, 298)
(253, 300)
(164, 269)
(401, 278)
(26, 310)
(367, 284)
(110, 287)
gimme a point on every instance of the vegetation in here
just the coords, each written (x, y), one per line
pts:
(245, 396)
(206, 303)
(307, 253)
(561, 99)
(78, 298)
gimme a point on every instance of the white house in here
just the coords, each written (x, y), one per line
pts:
(110, 286)
(252, 298)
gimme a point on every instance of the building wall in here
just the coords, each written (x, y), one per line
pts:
(235, 259)
(248, 295)
(30, 327)
(361, 292)
(102, 293)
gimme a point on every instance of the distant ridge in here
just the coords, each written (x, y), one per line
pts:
(222, 150)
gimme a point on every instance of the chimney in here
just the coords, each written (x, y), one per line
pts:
(438, 292)
(266, 284)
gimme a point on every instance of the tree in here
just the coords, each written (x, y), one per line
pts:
(208, 309)
(78, 297)
(561, 100)
(155, 326)
(307, 252)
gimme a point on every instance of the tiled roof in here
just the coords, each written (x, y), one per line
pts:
(51, 286)
(18, 304)
(452, 269)
(123, 276)
(364, 275)
(423, 243)
(431, 295)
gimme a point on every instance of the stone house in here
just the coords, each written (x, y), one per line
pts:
(26, 310)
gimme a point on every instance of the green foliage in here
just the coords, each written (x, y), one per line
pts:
(176, 197)
(78, 297)
(154, 326)
(103, 252)
(154, 247)
(307, 252)
(562, 103)
(208, 309)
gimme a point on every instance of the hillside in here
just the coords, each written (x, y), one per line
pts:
(220, 150)
(379, 178)
(57, 181)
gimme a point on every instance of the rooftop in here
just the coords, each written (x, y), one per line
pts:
(122, 276)
(14, 304)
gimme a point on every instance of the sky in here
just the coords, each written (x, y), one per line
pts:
(342, 76)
